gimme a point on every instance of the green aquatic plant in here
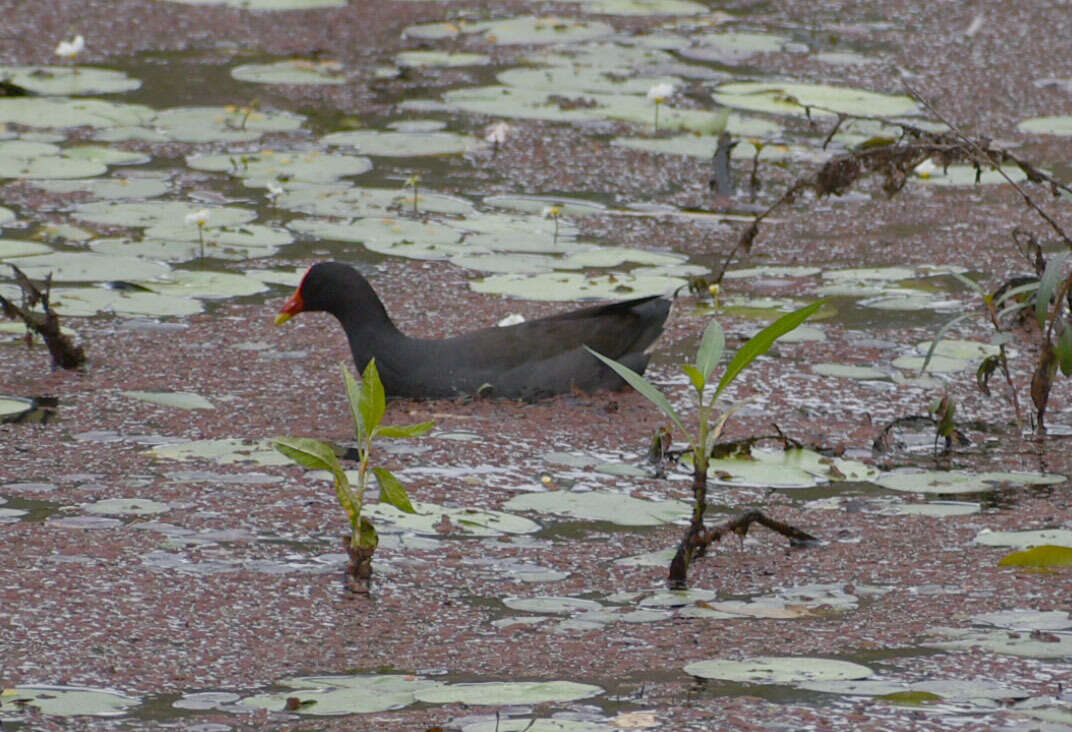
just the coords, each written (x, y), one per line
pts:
(367, 407)
(710, 422)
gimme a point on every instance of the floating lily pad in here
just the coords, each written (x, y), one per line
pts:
(431, 520)
(12, 406)
(292, 71)
(85, 301)
(847, 371)
(257, 169)
(11, 248)
(405, 144)
(335, 695)
(526, 724)
(676, 598)
(204, 284)
(508, 692)
(528, 29)
(790, 98)
(864, 274)
(1027, 619)
(642, 7)
(778, 670)
(1024, 539)
(178, 399)
(160, 213)
(113, 188)
(69, 701)
(537, 204)
(560, 286)
(222, 124)
(61, 112)
(354, 202)
(408, 238)
(952, 481)
(1027, 645)
(731, 49)
(965, 175)
(126, 507)
(68, 80)
(937, 364)
(106, 155)
(224, 451)
(269, 5)
(6, 216)
(551, 605)
(89, 267)
(441, 58)
(600, 506)
(25, 159)
(1060, 125)
(795, 468)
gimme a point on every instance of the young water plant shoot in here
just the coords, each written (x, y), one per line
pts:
(710, 422)
(367, 406)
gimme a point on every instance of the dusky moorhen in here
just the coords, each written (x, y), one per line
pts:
(529, 361)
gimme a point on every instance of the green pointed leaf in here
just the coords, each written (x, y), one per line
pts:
(697, 379)
(310, 453)
(392, 491)
(938, 337)
(367, 538)
(353, 395)
(642, 385)
(319, 456)
(373, 400)
(1050, 278)
(761, 342)
(710, 352)
(1064, 349)
(408, 430)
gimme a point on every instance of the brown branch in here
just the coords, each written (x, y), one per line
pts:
(740, 524)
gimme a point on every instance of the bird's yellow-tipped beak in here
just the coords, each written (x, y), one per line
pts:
(292, 307)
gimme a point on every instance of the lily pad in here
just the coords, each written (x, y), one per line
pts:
(731, 49)
(204, 284)
(223, 124)
(778, 670)
(89, 267)
(291, 71)
(560, 286)
(601, 506)
(68, 80)
(551, 605)
(160, 213)
(790, 98)
(405, 144)
(336, 695)
(1025, 539)
(12, 248)
(224, 451)
(1059, 125)
(441, 58)
(86, 301)
(141, 187)
(528, 29)
(501, 693)
(257, 169)
(847, 371)
(69, 701)
(62, 112)
(431, 520)
(177, 399)
(126, 507)
(1004, 642)
(954, 481)
(642, 7)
